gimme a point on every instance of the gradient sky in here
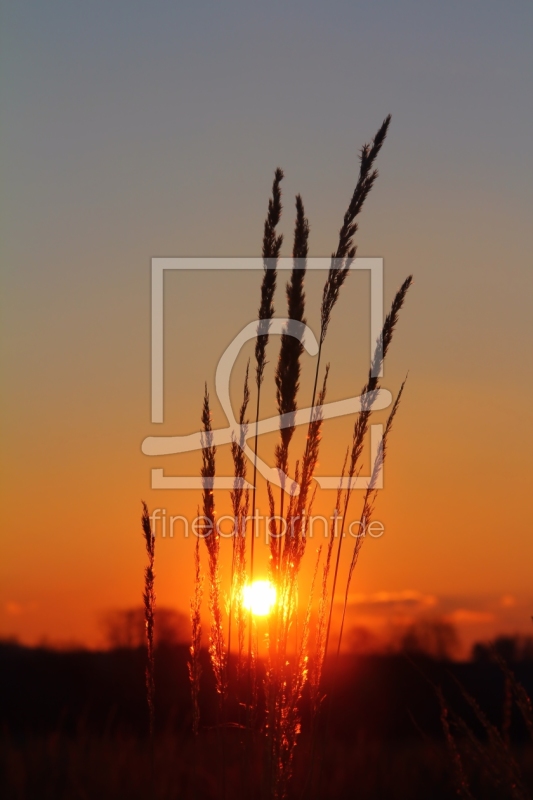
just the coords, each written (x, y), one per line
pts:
(139, 129)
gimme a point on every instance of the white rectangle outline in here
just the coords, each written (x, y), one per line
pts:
(159, 265)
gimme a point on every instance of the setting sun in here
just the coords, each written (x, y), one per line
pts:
(259, 597)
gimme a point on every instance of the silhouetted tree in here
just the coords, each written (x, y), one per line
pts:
(124, 628)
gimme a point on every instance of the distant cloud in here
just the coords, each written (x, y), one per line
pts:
(508, 601)
(465, 616)
(13, 609)
(406, 598)
(476, 617)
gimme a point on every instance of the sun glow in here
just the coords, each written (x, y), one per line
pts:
(259, 597)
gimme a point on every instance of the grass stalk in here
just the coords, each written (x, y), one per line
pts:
(212, 541)
(287, 377)
(239, 501)
(368, 396)
(149, 619)
(149, 615)
(194, 667)
(271, 249)
(368, 502)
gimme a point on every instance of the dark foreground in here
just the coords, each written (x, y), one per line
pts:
(74, 725)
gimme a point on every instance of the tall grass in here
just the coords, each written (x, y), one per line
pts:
(294, 658)
(295, 655)
(211, 536)
(492, 752)
(368, 396)
(195, 669)
(149, 613)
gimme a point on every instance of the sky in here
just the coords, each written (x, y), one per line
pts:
(134, 130)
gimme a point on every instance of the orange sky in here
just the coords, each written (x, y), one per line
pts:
(126, 141)
(454, 507)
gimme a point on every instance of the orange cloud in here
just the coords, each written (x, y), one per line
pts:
(407, 597)
(13, 609)
(465, 616)
(508, 601)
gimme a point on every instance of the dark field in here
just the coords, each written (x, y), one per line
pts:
(74, 725)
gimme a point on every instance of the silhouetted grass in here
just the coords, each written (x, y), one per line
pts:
(273, 695)
(75, 724)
